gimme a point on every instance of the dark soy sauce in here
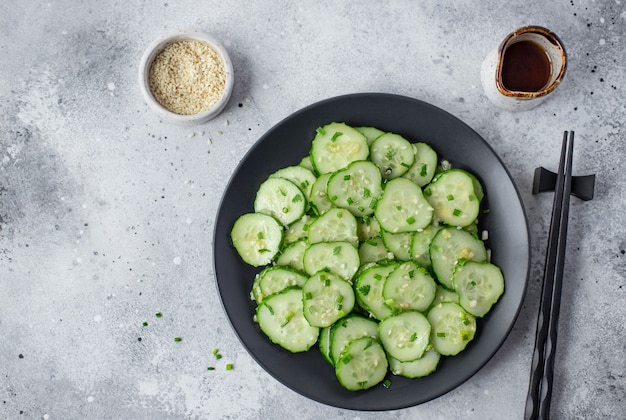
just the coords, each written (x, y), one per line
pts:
(525, 67)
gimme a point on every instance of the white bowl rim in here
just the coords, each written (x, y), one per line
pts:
(156, 47)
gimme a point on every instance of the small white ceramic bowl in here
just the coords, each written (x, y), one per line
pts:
(144, 71)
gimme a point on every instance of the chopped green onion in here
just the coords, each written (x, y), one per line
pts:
(259, 235)
(365, 289)
(337, 134)
(210, 368)
(288, 317)
(229, 366)
(361, 209)
(410, 220)
(424, 170)
(262, 250)
(378, 276)
(371, 242)
(350, 201)
(456, 212)
(414, 336)
(406, 165)
(336, 250)
(387, 383)
(367, 193)
(373, 203)
(178, 339)
(441, 334)
(339, 214)
(346, 177)
(320, 131)
(362, 384)
(450, 197)
(297, 198)
(428, 192)
(308, 296)
(412, 273)
(158, 314)
(145, 324)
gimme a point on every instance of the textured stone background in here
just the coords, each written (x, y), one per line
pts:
(106, 213)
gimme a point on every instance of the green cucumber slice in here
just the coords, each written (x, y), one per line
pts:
(420, 245)
(340, 258)
(281, 318)
(292, 255)
(302, 177)
(274, 279)
(335, 146)
(373, 250)
(409, 287)
(319, 199)
(479, 285)
(257, 238)
(417, 368)
(298, 229)
(327, 298)
(356, 188)
(405, 336)
(362, 365)
(348, 329)
(371, 133)
(451, 245)
(452, 328)
(402, 207)
(281, 199)
(334, 225)
(424, 166)
(324, 344)
(399, 244)
(454, 197)
(393, 154)
(369, 286)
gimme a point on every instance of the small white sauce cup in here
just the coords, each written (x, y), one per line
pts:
(144, 75)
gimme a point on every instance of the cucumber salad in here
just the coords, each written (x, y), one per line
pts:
(369, 250)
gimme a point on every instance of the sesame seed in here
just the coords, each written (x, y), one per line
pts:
(187, 77)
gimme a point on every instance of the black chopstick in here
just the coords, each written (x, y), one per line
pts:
(542, 370)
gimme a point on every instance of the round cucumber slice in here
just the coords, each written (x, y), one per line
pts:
(335, 146)
(405, 336)
(257, 238)
(452, 328)
(362, 365)
(479, 286)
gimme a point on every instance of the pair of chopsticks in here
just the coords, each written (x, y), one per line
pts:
(542, 371)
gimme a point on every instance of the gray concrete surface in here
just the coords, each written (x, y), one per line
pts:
(107, 213)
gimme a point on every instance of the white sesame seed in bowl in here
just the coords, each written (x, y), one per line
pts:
(186, 77)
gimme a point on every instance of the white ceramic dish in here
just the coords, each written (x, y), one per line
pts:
(144, 70)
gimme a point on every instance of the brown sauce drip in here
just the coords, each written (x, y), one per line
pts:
(525, 67)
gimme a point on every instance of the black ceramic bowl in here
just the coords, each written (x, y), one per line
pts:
(286, 144)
